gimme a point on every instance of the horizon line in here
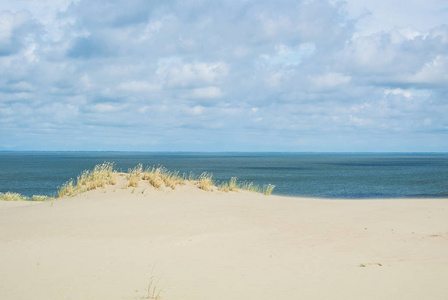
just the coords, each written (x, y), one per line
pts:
(222, 152)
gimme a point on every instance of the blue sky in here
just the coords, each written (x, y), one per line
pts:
(302, 75)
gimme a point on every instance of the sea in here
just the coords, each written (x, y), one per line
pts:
(323, 175)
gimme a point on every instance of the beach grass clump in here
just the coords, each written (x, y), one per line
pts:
(233, 185)
(205, 181)
(100, 176)
(67, 189)
(134, 175)
(267, 189)
(159, 176)
(40, 198)
(153, 176)
(224, 187)
(8, 196)
(249, 186)
(230, 186)
(172, 179)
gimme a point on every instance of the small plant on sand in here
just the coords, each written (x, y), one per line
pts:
(224, 187)
(249, 186)
(233, 186)
(206, 181)
(267, 190)
(154, 289)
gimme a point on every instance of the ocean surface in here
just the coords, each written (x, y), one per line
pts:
(336, 175)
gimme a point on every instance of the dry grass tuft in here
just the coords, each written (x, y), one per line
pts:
(267, 190)
(100, 176)
(154, 177)
(8, 196)
(160, 176)
(206, 181)
(134, 175)
(67, 189)
(232, 185)
(224, 187)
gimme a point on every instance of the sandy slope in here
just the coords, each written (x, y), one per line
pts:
(107, 244)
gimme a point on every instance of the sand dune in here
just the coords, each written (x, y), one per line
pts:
(191, 244)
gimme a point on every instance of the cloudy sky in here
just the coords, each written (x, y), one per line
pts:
(232, 75)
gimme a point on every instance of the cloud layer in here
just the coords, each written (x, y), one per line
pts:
(309, 75)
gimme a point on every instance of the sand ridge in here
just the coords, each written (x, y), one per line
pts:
(191, 244)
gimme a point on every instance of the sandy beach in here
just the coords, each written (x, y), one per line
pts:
(187, 244)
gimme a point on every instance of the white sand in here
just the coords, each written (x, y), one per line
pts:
(108, 244)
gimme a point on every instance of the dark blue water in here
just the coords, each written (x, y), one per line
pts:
(299, 174)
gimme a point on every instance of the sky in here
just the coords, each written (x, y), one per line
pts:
(197, 75)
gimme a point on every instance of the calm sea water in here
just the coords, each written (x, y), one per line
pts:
(300, 174)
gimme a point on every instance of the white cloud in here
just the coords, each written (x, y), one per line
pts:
(178, 74)
(331, 80)
(138, 86)
(433, 72)
(207, 93)
(402, 92)
(105, 108)
(196, 110)
(377, 16)
(249, 68)
(16, 30)
(288, 56)
(151, 29)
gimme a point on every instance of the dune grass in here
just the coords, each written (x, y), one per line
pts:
(268, 189)
(158, 177)
(134, 175)
(205, 181)
(233, 185)
(8, 196)
(101, 175)
(229, 186)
